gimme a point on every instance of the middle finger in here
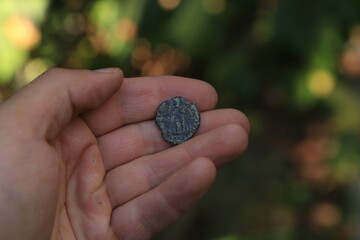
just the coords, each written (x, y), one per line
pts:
(136, 140)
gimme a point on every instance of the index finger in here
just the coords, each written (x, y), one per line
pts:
(138, 99)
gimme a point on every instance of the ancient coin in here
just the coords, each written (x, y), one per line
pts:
(178, 119)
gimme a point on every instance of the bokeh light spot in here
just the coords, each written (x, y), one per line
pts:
(22, 32)
(350, 60)
(161, 60)
(100, 40)
(312, 156)
(168, 4)
(214, 7)
(325, 215)
(141, 53)
(153, 68)
(127, 29)
(321, 83)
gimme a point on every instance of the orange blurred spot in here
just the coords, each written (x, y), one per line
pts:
(153, 68)
(313, 150)
(169, 4)
(350, 62)
(141, 53)
(99, 39)
(350, 59)
(325, 215)
(312, 155)
(127, 29)
(22, 32)
(163, 60)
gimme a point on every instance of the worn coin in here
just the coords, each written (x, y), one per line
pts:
(178, 119)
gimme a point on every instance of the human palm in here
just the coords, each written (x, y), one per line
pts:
(83, 159)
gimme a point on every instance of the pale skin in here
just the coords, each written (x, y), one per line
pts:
(81, 157)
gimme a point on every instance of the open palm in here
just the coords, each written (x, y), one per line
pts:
(83, 159)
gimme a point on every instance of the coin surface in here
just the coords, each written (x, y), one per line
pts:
(178, 119)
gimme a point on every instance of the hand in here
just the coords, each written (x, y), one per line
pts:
(81, 157)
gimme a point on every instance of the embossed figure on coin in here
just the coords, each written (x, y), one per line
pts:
(178, 119)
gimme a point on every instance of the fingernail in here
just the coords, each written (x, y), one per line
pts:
(107, 70)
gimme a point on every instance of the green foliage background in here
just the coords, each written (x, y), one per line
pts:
(292, 66)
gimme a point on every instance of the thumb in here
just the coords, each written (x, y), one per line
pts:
(44, 106)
